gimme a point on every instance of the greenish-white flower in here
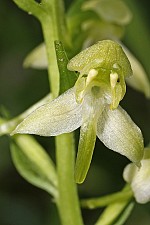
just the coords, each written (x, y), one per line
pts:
(112, 11)
(92, 104)
(37, 58)
(139, 178)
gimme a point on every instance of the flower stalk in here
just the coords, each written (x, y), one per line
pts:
(103, 201)
(49, 13)
(68, 200)
(68, 204)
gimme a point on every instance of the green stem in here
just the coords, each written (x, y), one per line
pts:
(50, 35)
(51, 15)
(106, 200)
(53, 26)
(68, 204)
(47, 13)
(30, 6)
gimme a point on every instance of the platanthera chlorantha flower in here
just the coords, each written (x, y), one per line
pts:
(92, 104)
(139, 178)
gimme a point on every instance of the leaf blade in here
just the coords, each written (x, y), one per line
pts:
(34, 164)
(67, 78)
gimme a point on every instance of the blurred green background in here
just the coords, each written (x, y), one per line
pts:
(20, 202)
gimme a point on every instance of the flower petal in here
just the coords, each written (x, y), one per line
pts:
(85, 149)
(139, 80)
(91, 107)
(37, 58)
(118, 132)
(139, 179)
(111, 11)
(61, 115)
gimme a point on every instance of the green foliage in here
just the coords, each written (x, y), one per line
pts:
(67, 78)
(34, 164)
(91, 102)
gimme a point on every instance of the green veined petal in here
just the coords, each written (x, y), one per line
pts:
(118, 132)
(61, 115)
(85, 149)
(6, 127)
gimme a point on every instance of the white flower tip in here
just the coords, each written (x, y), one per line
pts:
(139, 180)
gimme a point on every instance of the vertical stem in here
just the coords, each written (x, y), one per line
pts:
(69, 204)
(50, 35)
(53, 27)
(51, 15)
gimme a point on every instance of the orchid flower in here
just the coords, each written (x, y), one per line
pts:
(139, 178)
(93, 105)
(107, 21)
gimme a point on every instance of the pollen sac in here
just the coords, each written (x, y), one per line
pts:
(104, 64)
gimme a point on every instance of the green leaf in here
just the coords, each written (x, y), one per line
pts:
(34, 164)
(67, 78)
